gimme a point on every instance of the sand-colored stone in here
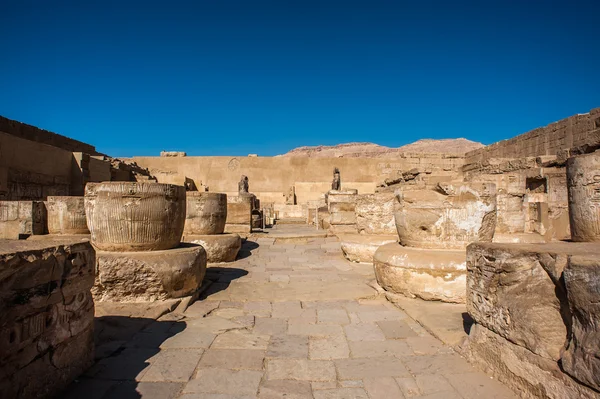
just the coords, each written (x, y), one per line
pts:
(218, 247)
(46, 314)
(66, 215)
(239, 213)
(149, 275)
(450, 216)
(513, 290)
(582, 281)
(430, 274)
(362, 247)
(533, 308)
(583, 183)
(125, 216)
(375, 213)
(20, 219)
(206, 213)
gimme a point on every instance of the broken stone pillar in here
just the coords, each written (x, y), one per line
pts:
(375, 225)
(583, 183)
(206, 213)
(66, 215)
(443, 221)
(46, 316)
(126, 216)
(239, 213)
(205, 225)
(21, 219)
(341, 206)
(536, 318)
(136, 229)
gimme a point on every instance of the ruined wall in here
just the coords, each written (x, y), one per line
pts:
(28, 132)
(579, 132)
(271, 177)
(31, 170)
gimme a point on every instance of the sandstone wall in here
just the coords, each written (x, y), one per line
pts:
(47, 316)
(271, 177)
(28, 132)
(31, 171)
(579, 132)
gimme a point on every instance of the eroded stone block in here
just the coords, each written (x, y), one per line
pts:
(428, 274)
(19, 219)
(149, 275)
(46, 316)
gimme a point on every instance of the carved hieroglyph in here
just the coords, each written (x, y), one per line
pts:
(583, 183)
(46, 316)
(124, 216)
(206, 213)
(66, 215)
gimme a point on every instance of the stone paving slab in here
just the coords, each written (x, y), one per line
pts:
(289, 320)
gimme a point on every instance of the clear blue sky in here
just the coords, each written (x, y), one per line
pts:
(239, 77)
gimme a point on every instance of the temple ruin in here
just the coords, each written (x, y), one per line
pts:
(176, 276)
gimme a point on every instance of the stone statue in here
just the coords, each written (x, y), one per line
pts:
(337, 182)
(243, 185)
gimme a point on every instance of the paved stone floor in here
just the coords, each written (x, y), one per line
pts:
(287, 321)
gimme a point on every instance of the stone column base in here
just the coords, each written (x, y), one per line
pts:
(218, 247)
(362, 247)
(429, 274)
(149, 275)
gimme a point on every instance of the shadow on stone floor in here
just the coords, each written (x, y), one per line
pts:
(220, 277)
(126, 346)
(467, 322)
(247, 248)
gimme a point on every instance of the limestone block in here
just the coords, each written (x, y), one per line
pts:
(429, 274)
(150, 275)
(519, 238)
(66, 215)
(126, 216)
(343, 218)
(375, 214)
(451, 216)
(342, 207)
(337, 229)
(582, 280)
(218, 247)
(583, 184)
(531, 375)
(46, 316)
(22, 218)
(515, 291)
(239, 209)
(362, 247)
(206, 213)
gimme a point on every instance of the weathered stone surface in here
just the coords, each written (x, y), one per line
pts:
(125, 216)
(531, 375)
(66, 215)
(239, 213)
(362, 247)
(19, 219)
(514, 290)
(149, 276)
(375, 214)
(239, 208)
(583, 183)
(535, 308)
(218, 247)
(581, 358)
(46, 316)
(451, 216)
(206, 213)
(424, 273)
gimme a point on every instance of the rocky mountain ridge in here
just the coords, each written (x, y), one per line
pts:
(355, 150)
